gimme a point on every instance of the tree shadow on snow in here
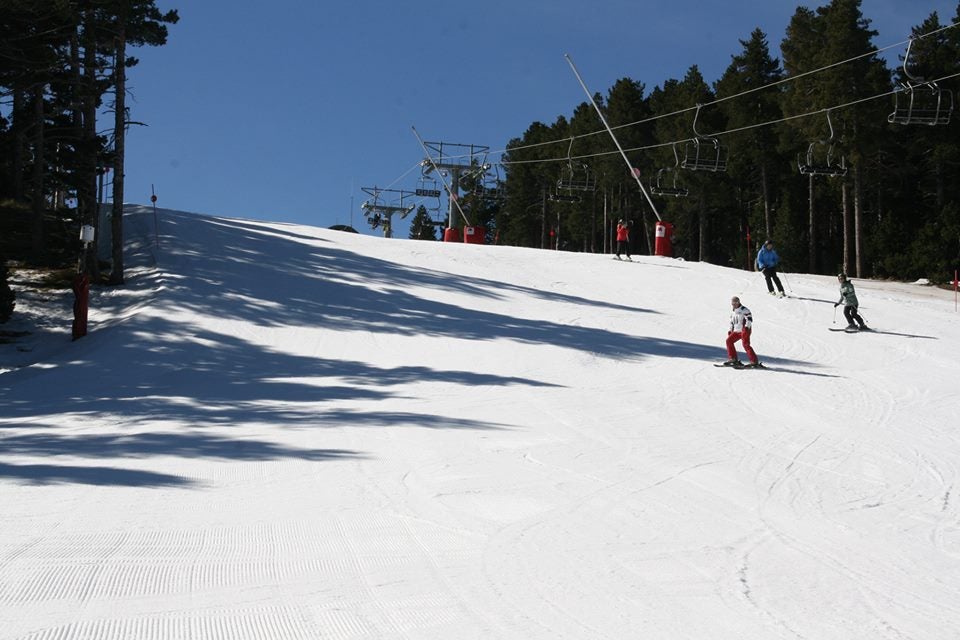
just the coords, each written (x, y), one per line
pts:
(43, 474)
(157, 369)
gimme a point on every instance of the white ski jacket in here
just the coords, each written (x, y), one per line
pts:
(741, 319)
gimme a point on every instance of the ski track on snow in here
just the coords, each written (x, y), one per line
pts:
(315, 434)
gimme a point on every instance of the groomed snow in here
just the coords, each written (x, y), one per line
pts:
(277, 431)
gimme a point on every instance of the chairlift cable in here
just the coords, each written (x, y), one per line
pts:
(728, 131)
(731, 97)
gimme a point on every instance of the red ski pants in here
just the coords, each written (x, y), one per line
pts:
(732, 338)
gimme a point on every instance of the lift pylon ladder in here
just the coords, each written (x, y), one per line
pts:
(703, 153)
(661, 188)
(918, 101)
(809, 166)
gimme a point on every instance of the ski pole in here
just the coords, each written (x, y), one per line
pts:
(787, 282)
(834, 314)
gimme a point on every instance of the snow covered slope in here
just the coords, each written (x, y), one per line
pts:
(277, 431)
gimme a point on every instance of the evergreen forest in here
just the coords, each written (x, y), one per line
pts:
(846, 162)
(846, 167)
(63, 118)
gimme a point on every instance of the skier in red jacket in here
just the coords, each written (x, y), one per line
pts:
(623, 239)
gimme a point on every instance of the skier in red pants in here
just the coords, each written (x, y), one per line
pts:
(741, 325)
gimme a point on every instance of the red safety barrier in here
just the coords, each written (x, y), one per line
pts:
(663, 239)
(474, 235)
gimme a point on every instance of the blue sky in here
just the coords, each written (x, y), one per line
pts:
(284, 110)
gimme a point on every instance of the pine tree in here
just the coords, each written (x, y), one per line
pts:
(7, 296)
(800, 49)
(847, 36)
(700, 227)
(422, 227)
(755, 164)
(136, 23)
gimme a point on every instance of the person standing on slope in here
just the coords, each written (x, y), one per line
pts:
(623, 239)
(767, 261)
(741, 326)
(848, 298)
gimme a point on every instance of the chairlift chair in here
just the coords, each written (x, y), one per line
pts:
(492, 189)
(923, 103)
(494, 193)
(919, 101)
(808, 166)
(564, 197)
(574, 180)
(661, 188)
(703, 153)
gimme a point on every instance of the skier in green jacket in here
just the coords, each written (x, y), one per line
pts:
(848, 298)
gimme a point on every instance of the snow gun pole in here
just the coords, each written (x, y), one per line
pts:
(633, 172)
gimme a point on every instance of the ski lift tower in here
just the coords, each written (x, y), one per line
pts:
(456, 161)
(381, 214)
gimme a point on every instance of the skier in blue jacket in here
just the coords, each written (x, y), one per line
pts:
(767, 261)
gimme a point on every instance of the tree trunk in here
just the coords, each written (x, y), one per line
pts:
(701, 242)
(880, 184)
(845, 205)
(941, 186)
(857, 218)
(120, 128)
(39, 172)
(647, 234)
(543, 220)
(19, 141)
(85, 123)
(764, 185)
(606, 225)
(812, 230)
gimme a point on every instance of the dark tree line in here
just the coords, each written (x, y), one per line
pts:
(62, 72)
(894, 213)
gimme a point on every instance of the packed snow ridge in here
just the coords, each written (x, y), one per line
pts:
(278, 431)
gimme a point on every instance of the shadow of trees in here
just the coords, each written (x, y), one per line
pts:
(160, 367)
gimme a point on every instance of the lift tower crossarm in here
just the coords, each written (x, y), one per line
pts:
(603, 119)
(451, 189)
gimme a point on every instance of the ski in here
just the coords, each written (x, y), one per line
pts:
(849, 330)
(741, 365)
